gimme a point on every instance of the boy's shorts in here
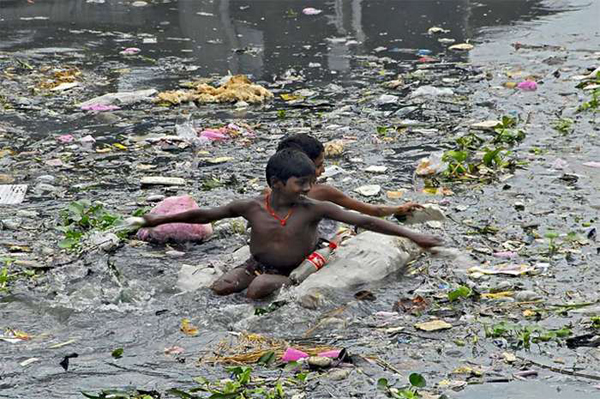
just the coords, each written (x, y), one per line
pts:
(255, 268)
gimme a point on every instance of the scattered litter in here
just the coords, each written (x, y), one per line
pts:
(528, 85)
(28, 361)
(376, 169)
(334, 148)
(175, 232)
(559, 164)
(236, 88)
(160, 180)
(427, 91)
(592, 164)
(368, 190)
(434, 325)
(174, 350)
(461, 47)
(311, 11)
(187, 328)
(431, 165)
(130, 51)
(387, 99)
(507, 269)
(62, 344)
(12, 194)
(121, 98)
(486, 125)
(436, 29)
(99, 107)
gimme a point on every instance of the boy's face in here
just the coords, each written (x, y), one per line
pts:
(296, 186)
(319, 164)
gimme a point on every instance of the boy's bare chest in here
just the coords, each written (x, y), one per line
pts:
(282, 227)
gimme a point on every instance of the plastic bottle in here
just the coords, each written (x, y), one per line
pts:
(312, 263)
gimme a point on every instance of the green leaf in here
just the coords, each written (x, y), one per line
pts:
(458, 156)
(382, 384)
(461, 292)
(267, 358)
(90, 396)
(417, 380)
(551, 235)
(181, 394)
(301, 377)
(117, 353)
(67, 243)
(224, 396)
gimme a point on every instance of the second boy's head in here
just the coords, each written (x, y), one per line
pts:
(290, 171)
(308, 145)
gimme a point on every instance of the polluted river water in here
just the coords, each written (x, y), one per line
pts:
(64, 313)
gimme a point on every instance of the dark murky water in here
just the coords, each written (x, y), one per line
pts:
(130, 300)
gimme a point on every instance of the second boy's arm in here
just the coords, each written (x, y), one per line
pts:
(325, 192)
(334, 212)
(200, 216)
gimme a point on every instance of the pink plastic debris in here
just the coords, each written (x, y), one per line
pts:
(177, 232)
(65, 138)
(293, 355)
(592, 164)
(335, 353)
(99, 107)
(214, 135)
(528, 85)
(130, 51)
(559, 164)
(311, 11)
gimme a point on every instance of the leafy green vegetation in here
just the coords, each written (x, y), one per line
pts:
(563, 125)
(415, 380)
(593, 104)
(241, 385)
(523, 336)
(472, 159)
(461, 292)
(82, 217)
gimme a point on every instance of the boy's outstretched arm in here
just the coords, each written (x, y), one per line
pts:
(334, 212)
(200, 216)
(325, 192)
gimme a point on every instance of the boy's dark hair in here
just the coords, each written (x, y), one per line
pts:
(303, 142)
(289, 163)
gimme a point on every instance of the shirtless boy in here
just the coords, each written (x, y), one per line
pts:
(325, 192)
(284, 226)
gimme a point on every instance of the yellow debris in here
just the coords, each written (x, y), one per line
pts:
(237, 88)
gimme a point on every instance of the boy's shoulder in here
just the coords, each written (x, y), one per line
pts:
(324, 192)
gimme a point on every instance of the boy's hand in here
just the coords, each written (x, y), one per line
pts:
(426, 240)
(407, 208)
(135, 222)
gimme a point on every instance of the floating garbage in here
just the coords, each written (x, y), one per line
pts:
(130, 51)
(431, 91)
(528, 85)
(311, 11)
(120, 98)
(175, 232)
(462, 47)
(368, 190)
(12, 194)
(236, 88)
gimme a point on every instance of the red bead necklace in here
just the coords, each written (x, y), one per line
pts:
(272, 212)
